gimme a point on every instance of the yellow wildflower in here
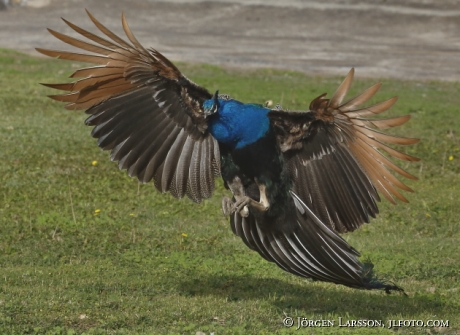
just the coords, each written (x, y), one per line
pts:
(451, 158)
(94, 163)
(132, 214)
(96, 212)
(184, 234)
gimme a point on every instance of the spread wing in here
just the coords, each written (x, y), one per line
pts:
(144, 110)
(333, 157)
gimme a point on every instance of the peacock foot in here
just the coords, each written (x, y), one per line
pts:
(229, 207)
(241, 205)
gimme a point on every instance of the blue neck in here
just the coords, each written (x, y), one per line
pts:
(237, 125)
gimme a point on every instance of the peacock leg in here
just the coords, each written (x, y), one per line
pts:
(228, 206)
(242, 201)
(263, 195)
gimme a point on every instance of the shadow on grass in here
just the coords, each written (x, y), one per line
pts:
(310, 297)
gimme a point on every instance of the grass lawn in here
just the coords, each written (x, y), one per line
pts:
(86, 249)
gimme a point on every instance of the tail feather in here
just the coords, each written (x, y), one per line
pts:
(300, 243)
(373, 282)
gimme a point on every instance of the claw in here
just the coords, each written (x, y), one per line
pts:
(242, 201)
(241, 207)
(246, 201)
(229, 207)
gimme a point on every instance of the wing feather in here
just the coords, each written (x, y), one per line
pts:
(183, 165)
(342, 91)
(108, 33)
(372, 110)
(172, 159)
(361, 98)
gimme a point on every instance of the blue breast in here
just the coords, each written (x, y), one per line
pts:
(237, 125)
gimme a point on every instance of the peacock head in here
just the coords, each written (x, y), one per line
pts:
(211, 106)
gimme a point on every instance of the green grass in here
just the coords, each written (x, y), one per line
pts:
(129, 269)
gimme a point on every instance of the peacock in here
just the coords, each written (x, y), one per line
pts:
(298, 178)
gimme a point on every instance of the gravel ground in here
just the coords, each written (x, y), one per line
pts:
(405, 39)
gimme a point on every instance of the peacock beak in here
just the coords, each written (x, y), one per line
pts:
(209, 111)
(215, 106)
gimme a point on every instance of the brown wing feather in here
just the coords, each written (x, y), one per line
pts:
(143, 109)
(333, 156)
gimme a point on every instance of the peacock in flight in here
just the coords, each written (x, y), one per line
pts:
(298, 178)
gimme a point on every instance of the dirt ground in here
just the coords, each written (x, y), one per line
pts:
(408, 39)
